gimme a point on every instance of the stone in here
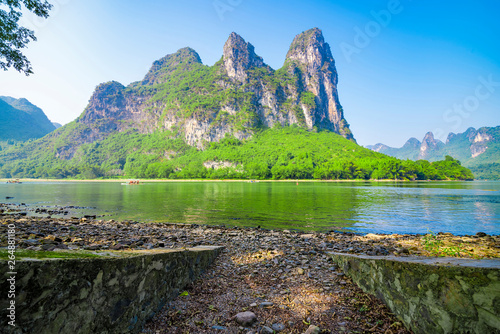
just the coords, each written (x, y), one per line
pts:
(313, 330)
(118, 247)
(246, 318)
(222, 328)
(266, 330)
(100, 295)
(438, 287)
(32, 242)
(278, 327)
(48, 247)
(266, 304)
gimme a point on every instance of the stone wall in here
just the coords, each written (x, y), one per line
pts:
(99, 295)
(432, 295)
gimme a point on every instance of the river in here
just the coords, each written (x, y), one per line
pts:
(367, 207)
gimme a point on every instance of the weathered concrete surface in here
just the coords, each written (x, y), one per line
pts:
(99, 295)
(432, 295)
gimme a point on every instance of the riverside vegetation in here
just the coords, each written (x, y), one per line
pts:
(237, 119)
(277, 153)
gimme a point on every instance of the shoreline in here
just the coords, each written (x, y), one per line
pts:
(76, 212)
(476, 246)
(237, 180)
(285, 277)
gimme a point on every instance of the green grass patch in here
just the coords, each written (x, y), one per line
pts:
(22, 253)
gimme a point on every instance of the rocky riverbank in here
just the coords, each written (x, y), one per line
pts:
(284, 278)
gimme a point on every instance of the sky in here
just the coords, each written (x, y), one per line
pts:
(405, 67)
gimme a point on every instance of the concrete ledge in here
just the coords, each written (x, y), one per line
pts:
(99, 295)
(431, 295)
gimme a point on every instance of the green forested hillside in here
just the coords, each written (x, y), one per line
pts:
(20, 120)
(277, 153)
(36, 113)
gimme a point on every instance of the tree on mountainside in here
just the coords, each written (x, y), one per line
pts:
(14, 37)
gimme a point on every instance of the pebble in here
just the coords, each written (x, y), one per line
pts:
(266, 330)
(246, 319)
(222, 328)
(48, 247)
(313, 330)
(266, 304)
(278, 327)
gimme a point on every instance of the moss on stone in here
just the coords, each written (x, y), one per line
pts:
(106, 294)
(432, 297)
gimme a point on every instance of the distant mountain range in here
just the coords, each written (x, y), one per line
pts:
(22, 120)
(478, 150)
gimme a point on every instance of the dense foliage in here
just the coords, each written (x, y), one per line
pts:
(14, 37)
(488, 171)
(277, 153)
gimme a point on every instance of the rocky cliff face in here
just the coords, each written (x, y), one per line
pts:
(478, 140)
(111, 108)
(236, 96)
(429, 146)
(239, 57)
(313, 57)
(378, 147)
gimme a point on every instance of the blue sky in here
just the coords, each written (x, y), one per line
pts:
(405, 67)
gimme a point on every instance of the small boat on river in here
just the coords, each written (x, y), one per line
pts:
(14, 181)
(131, 182)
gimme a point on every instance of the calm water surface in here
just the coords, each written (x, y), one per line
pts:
(456, 207)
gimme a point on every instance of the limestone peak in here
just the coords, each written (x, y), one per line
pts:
(239, 56)
(164, 66)
(309, 48)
